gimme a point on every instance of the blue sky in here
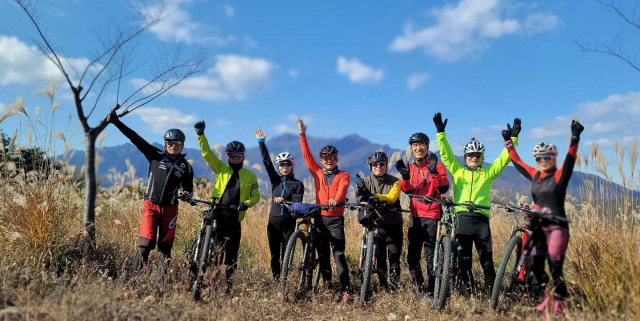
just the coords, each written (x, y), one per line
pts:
(379, 70)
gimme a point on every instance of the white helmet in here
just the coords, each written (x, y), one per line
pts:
(284, 156)
(474, 146)
(545, 148)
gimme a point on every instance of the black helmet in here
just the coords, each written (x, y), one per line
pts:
(377, 157)
(174, 134)
(328, 150)
(419, 137)
(234, 147)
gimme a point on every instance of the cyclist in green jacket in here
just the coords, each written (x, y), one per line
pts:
(472, 182)
(234, 186)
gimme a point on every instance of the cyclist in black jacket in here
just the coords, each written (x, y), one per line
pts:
(283, 187)
(168, 170)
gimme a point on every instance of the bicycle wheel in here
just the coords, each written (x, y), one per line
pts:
(204, 259)
(507, 272)
(445, 278)
(294, 266)
(137, 263)
(367, 269)
(316, 278)
(192, 260)
(438, 271)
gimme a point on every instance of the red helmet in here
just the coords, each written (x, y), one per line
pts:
(328, 150)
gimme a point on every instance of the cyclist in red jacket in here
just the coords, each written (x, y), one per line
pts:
(331, 186)
(425, 176)
(549, 190)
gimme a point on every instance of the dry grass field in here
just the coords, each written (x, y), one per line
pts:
(47, 272)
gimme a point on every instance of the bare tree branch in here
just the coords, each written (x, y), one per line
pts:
(24, 4)
(620, 12)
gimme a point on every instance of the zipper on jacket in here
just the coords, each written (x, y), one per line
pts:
(284, 188)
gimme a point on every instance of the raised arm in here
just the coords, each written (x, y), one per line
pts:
(524, 169)
(446, 154)
(572, 154)
(266, 158)
(502, 161)
(147, 149)
(306, 152)
(209, 156)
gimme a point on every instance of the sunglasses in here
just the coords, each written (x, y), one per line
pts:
(382, 164)
(474, 155)
(545, 158)
(284, 164)
(174, 143)
(235, 155)
(329, 158)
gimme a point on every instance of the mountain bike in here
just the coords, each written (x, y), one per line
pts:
(300, 258)
(205, 250)
(371, 220)
(511, 277)
(446, 255)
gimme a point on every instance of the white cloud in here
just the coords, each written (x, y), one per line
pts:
(466, 28)
(615, 116)
(24, 64)
(358, 72)
(228, 10)
(223, 122)
(488, 134)
(2, 106)
(415, 80)
(177, 24)
(286, 129)
(162, 119)
(232, 77)
(539, 22)
(293, 73)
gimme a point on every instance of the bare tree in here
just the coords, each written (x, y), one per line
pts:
(616, 47)
(110, 66)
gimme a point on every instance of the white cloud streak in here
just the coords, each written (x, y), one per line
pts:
(228, 10)
(416, 80)
(177, 25)
(162, 119)
(358, 72)
(24, 64)
(231, 78)
(466, 28)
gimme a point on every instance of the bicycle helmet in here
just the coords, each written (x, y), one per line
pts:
(328, 150)
(377, 157)
(419, 138)
(474, 146)
(234, 147)
(174, 134)
(283, 157)
(545, 148)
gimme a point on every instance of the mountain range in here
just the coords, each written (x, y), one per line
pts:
(353, 151)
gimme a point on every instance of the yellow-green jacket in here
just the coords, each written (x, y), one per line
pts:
(472, 185)
(249, 190)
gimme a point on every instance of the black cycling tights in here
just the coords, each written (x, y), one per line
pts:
(486, 258)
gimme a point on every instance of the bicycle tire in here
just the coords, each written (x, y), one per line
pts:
(438, 271)
(205, 255)
(367, 269)
(445, 284)
(505, 272)
(316, 278)
(137, 263)
(289, 263)
(192, 260)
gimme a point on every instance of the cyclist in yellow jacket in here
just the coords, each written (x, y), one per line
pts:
(234, 186)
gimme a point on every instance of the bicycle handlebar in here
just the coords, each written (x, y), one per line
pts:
(543, 214)
(445, 201)
(357, 206)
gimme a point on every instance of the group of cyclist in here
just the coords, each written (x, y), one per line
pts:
(425, 176)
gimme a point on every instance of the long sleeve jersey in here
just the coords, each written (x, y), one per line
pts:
(422, 182)
(472, 184)
(249, 189)
(166, 172)
(328, 186)
(281, 186)
(549, 188)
